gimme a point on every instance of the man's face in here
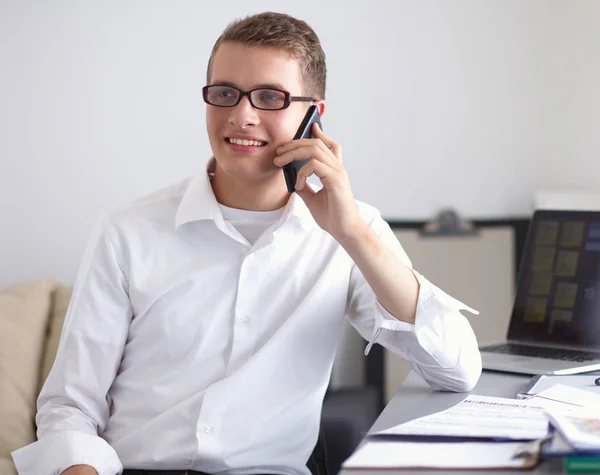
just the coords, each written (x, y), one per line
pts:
(248, 68)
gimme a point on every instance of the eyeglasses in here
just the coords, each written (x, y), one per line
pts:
(263, 99)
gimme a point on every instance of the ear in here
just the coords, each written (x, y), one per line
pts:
(321, 105)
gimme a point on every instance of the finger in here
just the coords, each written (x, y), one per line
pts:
(300, 183)
(313, 166)
(294, 144)
(304, 172)
(306, 192)
(331, 144)
(313, 152)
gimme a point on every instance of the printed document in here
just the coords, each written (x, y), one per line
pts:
(480, 417)
(564, 398)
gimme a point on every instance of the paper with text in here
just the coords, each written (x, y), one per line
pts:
(560, 396)
(480, 416)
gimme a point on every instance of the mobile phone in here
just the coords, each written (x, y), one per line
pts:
(290, 170)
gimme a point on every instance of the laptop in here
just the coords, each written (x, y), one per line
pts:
(555, 323)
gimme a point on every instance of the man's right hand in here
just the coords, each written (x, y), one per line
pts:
(80, 470)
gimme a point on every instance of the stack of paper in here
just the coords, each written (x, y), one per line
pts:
(482, 433)
(476, 417)
(575, 413)
(481, 417)
(580, 427)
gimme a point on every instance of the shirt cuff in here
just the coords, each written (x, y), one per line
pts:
(55, 453)
(432, 304)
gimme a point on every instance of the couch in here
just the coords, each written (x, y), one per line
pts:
(31, 321)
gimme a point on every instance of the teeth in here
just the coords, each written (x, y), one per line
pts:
(246, 143)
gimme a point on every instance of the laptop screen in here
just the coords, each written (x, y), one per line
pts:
(558, 295)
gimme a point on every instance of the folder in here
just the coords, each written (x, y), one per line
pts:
(445, 455)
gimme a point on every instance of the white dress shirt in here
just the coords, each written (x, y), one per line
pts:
(186, 346)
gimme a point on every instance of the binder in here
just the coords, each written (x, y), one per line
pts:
(388, 455)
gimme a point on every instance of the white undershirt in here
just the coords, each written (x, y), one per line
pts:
(250, 224)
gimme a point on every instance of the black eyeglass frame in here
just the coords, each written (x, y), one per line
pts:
(288, 98)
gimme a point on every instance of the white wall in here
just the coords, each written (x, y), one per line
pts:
(570, 142)
(466, 103)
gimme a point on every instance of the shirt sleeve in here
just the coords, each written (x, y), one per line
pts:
(441, 346)
(73, 406)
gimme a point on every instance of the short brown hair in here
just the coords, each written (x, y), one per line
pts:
(284, 32)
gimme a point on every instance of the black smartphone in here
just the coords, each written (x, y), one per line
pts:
(291, 170)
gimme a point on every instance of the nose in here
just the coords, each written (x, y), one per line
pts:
(243, 115)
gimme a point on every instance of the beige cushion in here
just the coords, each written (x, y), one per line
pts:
(7, 467)
(24, 311)
(60, 304)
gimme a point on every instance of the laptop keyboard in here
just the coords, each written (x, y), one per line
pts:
(540, 352)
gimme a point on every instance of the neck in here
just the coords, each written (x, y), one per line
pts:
(265, 194)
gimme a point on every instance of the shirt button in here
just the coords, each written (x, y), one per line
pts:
(207, 429)
(244, 319)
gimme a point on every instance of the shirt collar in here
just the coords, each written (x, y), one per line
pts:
(199, 203)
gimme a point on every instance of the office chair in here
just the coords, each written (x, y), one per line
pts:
(347, 416)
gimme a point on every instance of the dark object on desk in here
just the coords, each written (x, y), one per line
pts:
(553, 327)
(448, 223)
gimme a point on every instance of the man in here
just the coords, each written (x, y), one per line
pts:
(205, 317)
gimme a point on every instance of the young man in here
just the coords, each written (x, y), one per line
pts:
(205, 317)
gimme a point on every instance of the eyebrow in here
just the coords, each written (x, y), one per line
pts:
(257, 86)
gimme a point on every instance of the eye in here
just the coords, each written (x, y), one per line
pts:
(270, 96)
(224, 92)
(225, 96)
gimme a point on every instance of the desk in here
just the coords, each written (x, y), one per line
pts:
(416, 399)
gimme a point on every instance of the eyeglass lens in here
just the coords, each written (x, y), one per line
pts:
(225, 96)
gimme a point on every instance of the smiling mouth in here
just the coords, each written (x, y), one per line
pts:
(245, 143)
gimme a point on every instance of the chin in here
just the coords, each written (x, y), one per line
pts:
(248, 168)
